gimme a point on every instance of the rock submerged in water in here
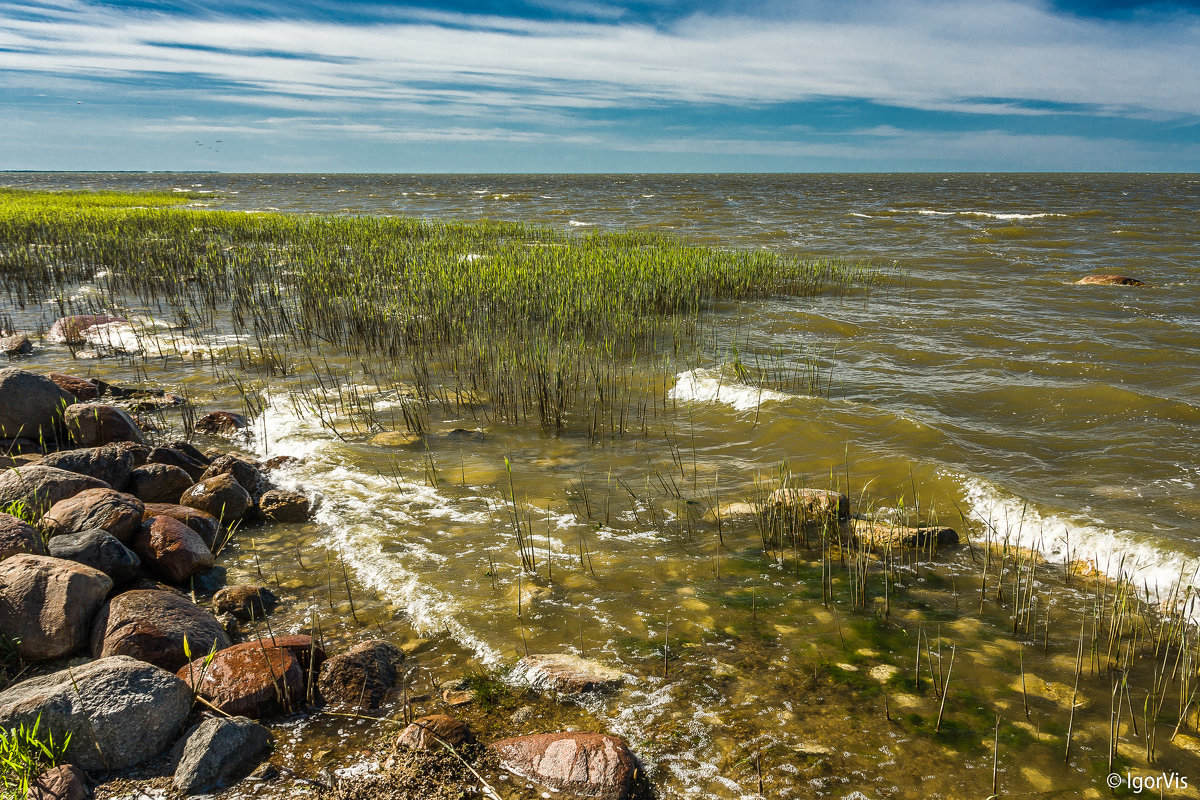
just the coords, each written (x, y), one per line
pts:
(16, 345)
(1109, 280)
(363, 675)
(72, 330)
(566, 674)
(221, 423)
(282, 505)
(428, 733)
(47, 604)
(244, 601)
(881, 536)
(810, 506)
(584, 764)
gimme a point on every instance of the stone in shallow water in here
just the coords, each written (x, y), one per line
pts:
(216, 750)
(566, 674)
(425, 733)
(584, 764)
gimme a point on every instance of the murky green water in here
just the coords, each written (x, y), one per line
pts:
(988, 391)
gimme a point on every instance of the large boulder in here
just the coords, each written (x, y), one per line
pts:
(110, 463)
(119, 711)
(98, 550)
(176, 457)
(249, 679)
(31, 405)
(151, 625)
(244, 601)
(82, 390)
(118, 513)
(159, 483)
(566, 674)
(47, 604)
(221, 423)
(217, 750)
(283, 505)
(94, 424)
(361, 676)
(172, 549)
(201, 522)
(18, 536)
(40, 487)
(583, 764)
(246, 474)
(221, 495)
(71, 330)
(429, 733)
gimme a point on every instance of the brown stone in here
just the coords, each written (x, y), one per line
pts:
(223, 423)
(881, 536)
(810, 506)
(40, 487)
(172, 549)
(64, 782)
(1110, 280)
(429, 733)
(159, 483)
(363, 675)
(16, 345)
(246, 474)
(584, 764)
(201, 522)
(151, 626)
(118, 513)
(94, 424)
(567, 674)
(222, 496)
(47, 604)
(249, 680)
(283, 505)
(244, 601)
(70, 330)
(18, 536)
(301, 645)
(82, 390)
(178, 458)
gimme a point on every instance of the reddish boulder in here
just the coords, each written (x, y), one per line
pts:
(584, 764)
(151, 626)
(94, 424)
(172, 549)
(159, 483)
(221, 496)
(71, 330)
(17, 536)
(118, 513)
(47, 604)
(201, 522)
(248, 680)
(428, 733)
(363, 675)
(282, 505)
(302, 646)
(82, 390)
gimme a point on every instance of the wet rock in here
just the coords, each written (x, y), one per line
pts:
(153, 400)
(1110, 280)
(424, 733)
(31, 405)
(40, 487)
(283, 505)
(217, 750)
(584, 764)
(465, 434)
(363, 675)
(250, 679)
(71, 330)
(190, 450)
(151, 625)
(94, 424)
(880, 536)
(172, 549)
(810, 506)
(64, 782)
(99, 550)
(159, 483)
(119, 711)
(18, 536)
(47, 604)
(110, 463)
(246, 474)
(566, 674)
(118, 513)
(245, 601)
(301, 645)
(178, 458)
(404, 439)
(279, 462)
(221, 496)
(201, 522)
(82, 390)
(16, 345)
(458, 697)
(221, 423)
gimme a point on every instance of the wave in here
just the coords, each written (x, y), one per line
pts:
(711, 386)
(928, 212)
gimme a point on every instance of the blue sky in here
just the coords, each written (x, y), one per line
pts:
(597, 86)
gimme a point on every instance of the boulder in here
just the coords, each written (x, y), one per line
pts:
(172, 549)
(244, 601)
(881, 536)
(64, 782)
(1110, 280)
(301, 645)
(428, 733)
(110, 463)
(583, 764)
(221, 423)
(118, 513)
(178, 458)
(119, 711)
(98, 550)
(201, 522)
(363, 675)
(40, 487)
(566, 674)
(151, 625)
(16, 345)
(216, 750)
(47, 604)
(190, 450)
(94, 424)
(282, 505)
(159, 483)
(18, 536)
(279, 462)
(809, 506)
(249, 679)
(70, 330)
(82, 390)
(221, 496)
(31, 405)
(246, 474)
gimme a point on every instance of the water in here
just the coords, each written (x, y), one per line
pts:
(988, 387)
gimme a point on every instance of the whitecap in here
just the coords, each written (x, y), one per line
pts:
(710, 386)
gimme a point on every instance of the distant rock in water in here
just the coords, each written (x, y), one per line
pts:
(70, 330)
(1110, 280)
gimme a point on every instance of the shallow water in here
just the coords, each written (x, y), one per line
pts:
(988, 390)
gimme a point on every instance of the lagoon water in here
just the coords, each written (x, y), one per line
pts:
(982, 386)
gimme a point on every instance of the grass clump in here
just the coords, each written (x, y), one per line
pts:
(25, 753)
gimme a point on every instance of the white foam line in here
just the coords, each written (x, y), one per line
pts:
(708, 386)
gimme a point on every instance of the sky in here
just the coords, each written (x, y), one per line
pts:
(598, 86)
